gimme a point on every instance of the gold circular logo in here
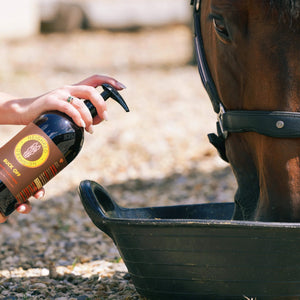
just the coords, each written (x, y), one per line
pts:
(32, 151)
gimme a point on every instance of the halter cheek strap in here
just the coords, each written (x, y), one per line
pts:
(277, 124)
(203, 68)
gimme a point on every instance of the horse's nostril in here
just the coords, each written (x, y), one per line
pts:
(279, 124)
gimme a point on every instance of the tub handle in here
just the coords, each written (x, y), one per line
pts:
(97, 203)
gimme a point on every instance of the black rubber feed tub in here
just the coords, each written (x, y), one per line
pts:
(197, 252)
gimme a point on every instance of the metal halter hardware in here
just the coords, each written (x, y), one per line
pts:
(277, 124)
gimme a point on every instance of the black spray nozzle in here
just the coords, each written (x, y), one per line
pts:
(109, 92)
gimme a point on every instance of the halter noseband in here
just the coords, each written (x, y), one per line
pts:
(278, 124)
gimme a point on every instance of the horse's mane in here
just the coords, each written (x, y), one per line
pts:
(285, 8)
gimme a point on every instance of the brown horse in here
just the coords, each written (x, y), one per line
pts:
(252, 50)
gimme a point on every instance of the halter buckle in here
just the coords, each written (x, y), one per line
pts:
(220, 126)
(197, 5)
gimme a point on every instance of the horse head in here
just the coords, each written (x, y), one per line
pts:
(248, 54)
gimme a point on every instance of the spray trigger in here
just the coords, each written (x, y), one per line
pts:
(111, 92)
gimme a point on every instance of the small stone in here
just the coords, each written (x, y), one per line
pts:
(52, 270)
(39, 285)
(6, 284)
(71, 278)
(127, 276)
(62, 288)
(20, 289)
(83, 297)
(36, 292)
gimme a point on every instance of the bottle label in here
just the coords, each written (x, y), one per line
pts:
(28, 161)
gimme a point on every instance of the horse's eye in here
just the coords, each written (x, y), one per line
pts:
(220, 28)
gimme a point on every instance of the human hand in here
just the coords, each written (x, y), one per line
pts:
(31, 108)
(25, 207)
(23, 111)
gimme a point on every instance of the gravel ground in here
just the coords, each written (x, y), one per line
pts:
(157, 154)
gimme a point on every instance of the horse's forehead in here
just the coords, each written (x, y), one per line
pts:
(286, 7)
(226, 4)
(239, 7)
(261, 12)
(251, 6)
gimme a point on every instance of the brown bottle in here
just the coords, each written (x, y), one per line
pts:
(41, 150)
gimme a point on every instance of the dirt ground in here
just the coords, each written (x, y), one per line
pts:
(158, 154)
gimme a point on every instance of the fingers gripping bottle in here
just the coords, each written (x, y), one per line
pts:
(41, 150)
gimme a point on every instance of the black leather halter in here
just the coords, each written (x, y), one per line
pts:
(277, 124)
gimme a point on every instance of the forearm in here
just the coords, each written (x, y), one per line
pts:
(21, 111)
(12, 109)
